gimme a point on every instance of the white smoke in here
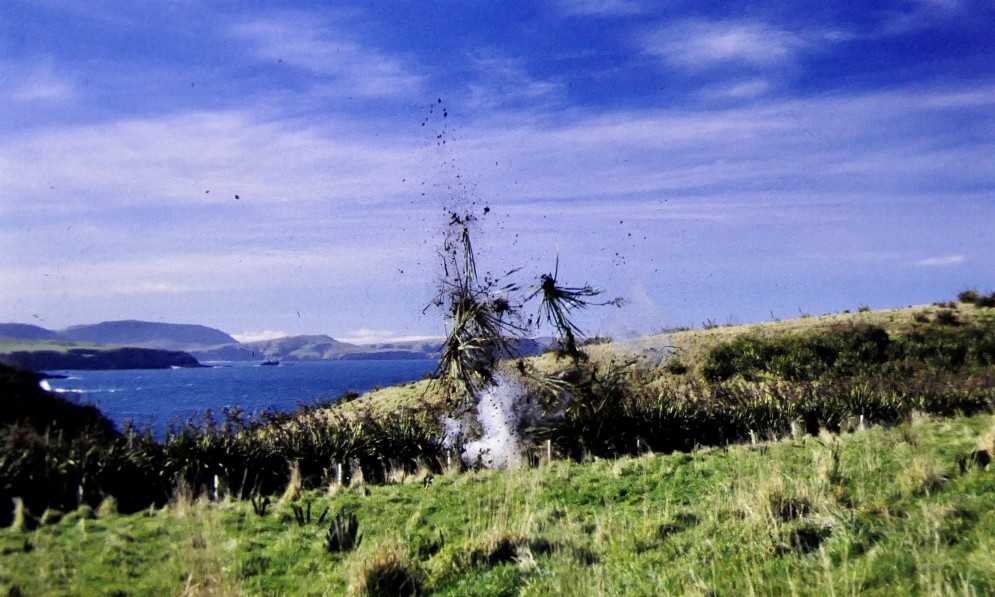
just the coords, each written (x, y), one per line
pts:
(500, 445)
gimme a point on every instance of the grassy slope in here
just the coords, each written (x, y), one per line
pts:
(881, 511)
(874, 512)
(690, 347)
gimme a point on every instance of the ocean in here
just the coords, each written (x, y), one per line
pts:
(155, 398)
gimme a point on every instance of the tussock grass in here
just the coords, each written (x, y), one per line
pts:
(844, 516)
(840, 463)
(387, 573)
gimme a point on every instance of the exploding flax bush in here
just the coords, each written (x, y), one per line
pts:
(559, 301)
(483, 315)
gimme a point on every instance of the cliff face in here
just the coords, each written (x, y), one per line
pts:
(93, 358)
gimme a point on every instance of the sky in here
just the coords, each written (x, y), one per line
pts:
(273, 168)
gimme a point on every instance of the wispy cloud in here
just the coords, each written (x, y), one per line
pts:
(602, 7)
(207, 272)
(942, 261)
(502, 82)
(197, 158)
(37, 81)
(259, 336)
(916, 15)
(330, 50)
(379, 336)
(738, 89)
(703, 44)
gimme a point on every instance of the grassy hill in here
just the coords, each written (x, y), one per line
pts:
(883, 511)
(825, 455)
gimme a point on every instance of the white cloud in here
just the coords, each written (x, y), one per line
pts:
(379, 336)
(502, 81)
(917, 15)
(198, 158)
(328, 50)
(259, 336)
(602, 7)
(38, 81)
(782, 161)
(739, 89)
(941, 261)
(242, 272)
(703, 44)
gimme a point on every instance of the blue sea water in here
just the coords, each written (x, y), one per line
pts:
(158, 397)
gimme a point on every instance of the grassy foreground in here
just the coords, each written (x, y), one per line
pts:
(878, 511)
(844, 454)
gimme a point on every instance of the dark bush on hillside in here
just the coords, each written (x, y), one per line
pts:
(634, 416)
(841, 352)
(969, 296)
(973, 297)
(986, 302)
(47, 443)
(209, 459)
(947, 317)
(23, 402)
(944, 348)
(853, 352)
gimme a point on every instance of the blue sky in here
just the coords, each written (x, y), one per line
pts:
(279, 167)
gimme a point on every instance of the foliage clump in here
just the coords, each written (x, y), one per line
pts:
(852, 351)
(343, 533)
(484, 315)
(388, 573)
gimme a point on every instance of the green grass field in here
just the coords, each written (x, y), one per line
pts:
(881, 511)
(835, 455)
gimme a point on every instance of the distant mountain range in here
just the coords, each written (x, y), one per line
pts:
(139, 334)
(316, 348)
(210, 344)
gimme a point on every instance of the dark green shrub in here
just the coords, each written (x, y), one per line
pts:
(390, 573)
(947, 317)
(840, 352)
(970, 296)
(676, 367)
(986, 302)
(343, 533)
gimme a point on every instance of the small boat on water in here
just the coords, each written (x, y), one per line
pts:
(268, 363)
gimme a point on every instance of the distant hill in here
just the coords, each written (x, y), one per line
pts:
(26, 331)
(316, 348)
(98, 359)
(146, 334)
(290, 348)
(210, 344)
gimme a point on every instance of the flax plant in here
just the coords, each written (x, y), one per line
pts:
(558, 302)
(481, 318)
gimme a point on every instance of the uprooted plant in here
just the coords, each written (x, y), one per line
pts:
(558, 302)
(480, 313)
(484, 321)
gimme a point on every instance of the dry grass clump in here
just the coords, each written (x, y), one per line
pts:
(52, 516)
(923, 477)
(23, 520)
(390, 572)
(989, 441)
(782, 504)
(294, 486)
(107, 507)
